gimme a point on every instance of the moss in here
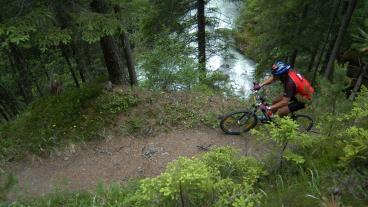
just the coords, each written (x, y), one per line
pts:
(81, 114)
(52, 121)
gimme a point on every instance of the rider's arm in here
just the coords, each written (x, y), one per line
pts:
(268, 81)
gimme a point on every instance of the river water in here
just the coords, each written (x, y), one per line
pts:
(238, 67)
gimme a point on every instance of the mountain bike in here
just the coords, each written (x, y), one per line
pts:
(241, 121)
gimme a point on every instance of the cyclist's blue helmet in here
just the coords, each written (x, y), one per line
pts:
(280, 68)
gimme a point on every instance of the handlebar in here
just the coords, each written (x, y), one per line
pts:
(258, 96)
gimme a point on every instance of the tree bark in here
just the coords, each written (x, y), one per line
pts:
(66, 56)
(8, 101)
(299, 30)
(88, 56)
(80, 59)
(313, 57)
(344, 25)
(38, 87)
(16, 76)
(292, 58)
(3, 112)
(23, 73)
(325, 44)
(201, 35)
(358, 84)
(129, 59)
(114, 64)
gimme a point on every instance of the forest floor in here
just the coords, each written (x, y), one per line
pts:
(118, 158)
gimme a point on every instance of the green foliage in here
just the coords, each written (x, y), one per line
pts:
(7, 182)
(134, 124)
(361, 42)
(169, 66)
(355, 145)
(116, 102)
(112, 196)
(78, 114)
(188, 182)
(285, 131)
(330, 101)
(183, 177)
(189, 109)
(270, 30)
(231, 165)
(203, 182)
(290, 156)
(354, 135)
(54, 37)
(94, 26)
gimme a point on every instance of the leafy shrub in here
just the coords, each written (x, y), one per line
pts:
(231, 165)
(51, 121)
(134, 124)
(284, 131)
(169, 66)
(7, 181)
(355, 136)
(186, 182)
(206, 181)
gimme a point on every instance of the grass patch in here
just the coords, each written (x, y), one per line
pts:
(80, 114)
(52, 121)
(165, 111)
(222, 177)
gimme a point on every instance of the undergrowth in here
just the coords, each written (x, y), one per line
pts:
(52, 121)
(81, 115)
(219, 178)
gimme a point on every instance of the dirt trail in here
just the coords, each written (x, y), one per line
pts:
(117, 159)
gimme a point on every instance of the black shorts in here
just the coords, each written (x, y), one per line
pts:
(295, 105)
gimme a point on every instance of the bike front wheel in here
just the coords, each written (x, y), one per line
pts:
(305, 122)
(238, 122)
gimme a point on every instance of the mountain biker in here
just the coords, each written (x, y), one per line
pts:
(293, 84)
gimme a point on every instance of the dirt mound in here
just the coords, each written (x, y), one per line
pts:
(118, 159)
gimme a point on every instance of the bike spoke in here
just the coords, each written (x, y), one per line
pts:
(239, 122)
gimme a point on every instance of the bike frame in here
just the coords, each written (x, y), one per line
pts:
(258, 101)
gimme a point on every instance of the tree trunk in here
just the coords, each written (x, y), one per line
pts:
(292, 57)
(38, 87)
(129, 59)
(201, 36)
(358, 84)
(114, 63)
(299, 30)
(15, 76)
(8, 101)
(45, 72)
(23, 73)
(88, 56)
(66, 56)
(344, 25)
(80, 59)
(3, 112)
(313, 59)
(325, 44)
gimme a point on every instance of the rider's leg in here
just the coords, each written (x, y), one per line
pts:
(283, 111)
(276, 100)
(295, 106)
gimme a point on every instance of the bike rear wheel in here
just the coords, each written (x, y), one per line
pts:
(305, 122)
(238, 122)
